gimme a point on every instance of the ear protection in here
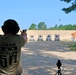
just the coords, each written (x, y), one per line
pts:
(10, 26)
(3, 28)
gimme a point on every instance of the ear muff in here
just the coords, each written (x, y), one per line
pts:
(14, 31)
(3, 29)
(10, 26)
(17, 29)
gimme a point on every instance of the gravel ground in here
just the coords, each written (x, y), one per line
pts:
(40, 58)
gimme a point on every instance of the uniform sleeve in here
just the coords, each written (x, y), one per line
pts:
(23, 41)
(0, 39)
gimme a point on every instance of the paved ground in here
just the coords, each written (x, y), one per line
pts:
(40, 58)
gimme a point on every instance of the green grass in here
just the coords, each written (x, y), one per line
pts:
(72, 46)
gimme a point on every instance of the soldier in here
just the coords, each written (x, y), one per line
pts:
(10, 48)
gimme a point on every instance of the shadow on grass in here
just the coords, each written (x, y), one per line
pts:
(72, 46)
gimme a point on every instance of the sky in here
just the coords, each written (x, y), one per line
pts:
(26, 12)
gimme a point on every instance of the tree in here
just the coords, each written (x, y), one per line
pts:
(74, 27)
(60, 27)
(70, 8)
(55, 26)
(42, 26)
(33, 27)
(69, 27)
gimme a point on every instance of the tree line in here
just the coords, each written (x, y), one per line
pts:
(43, 26)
